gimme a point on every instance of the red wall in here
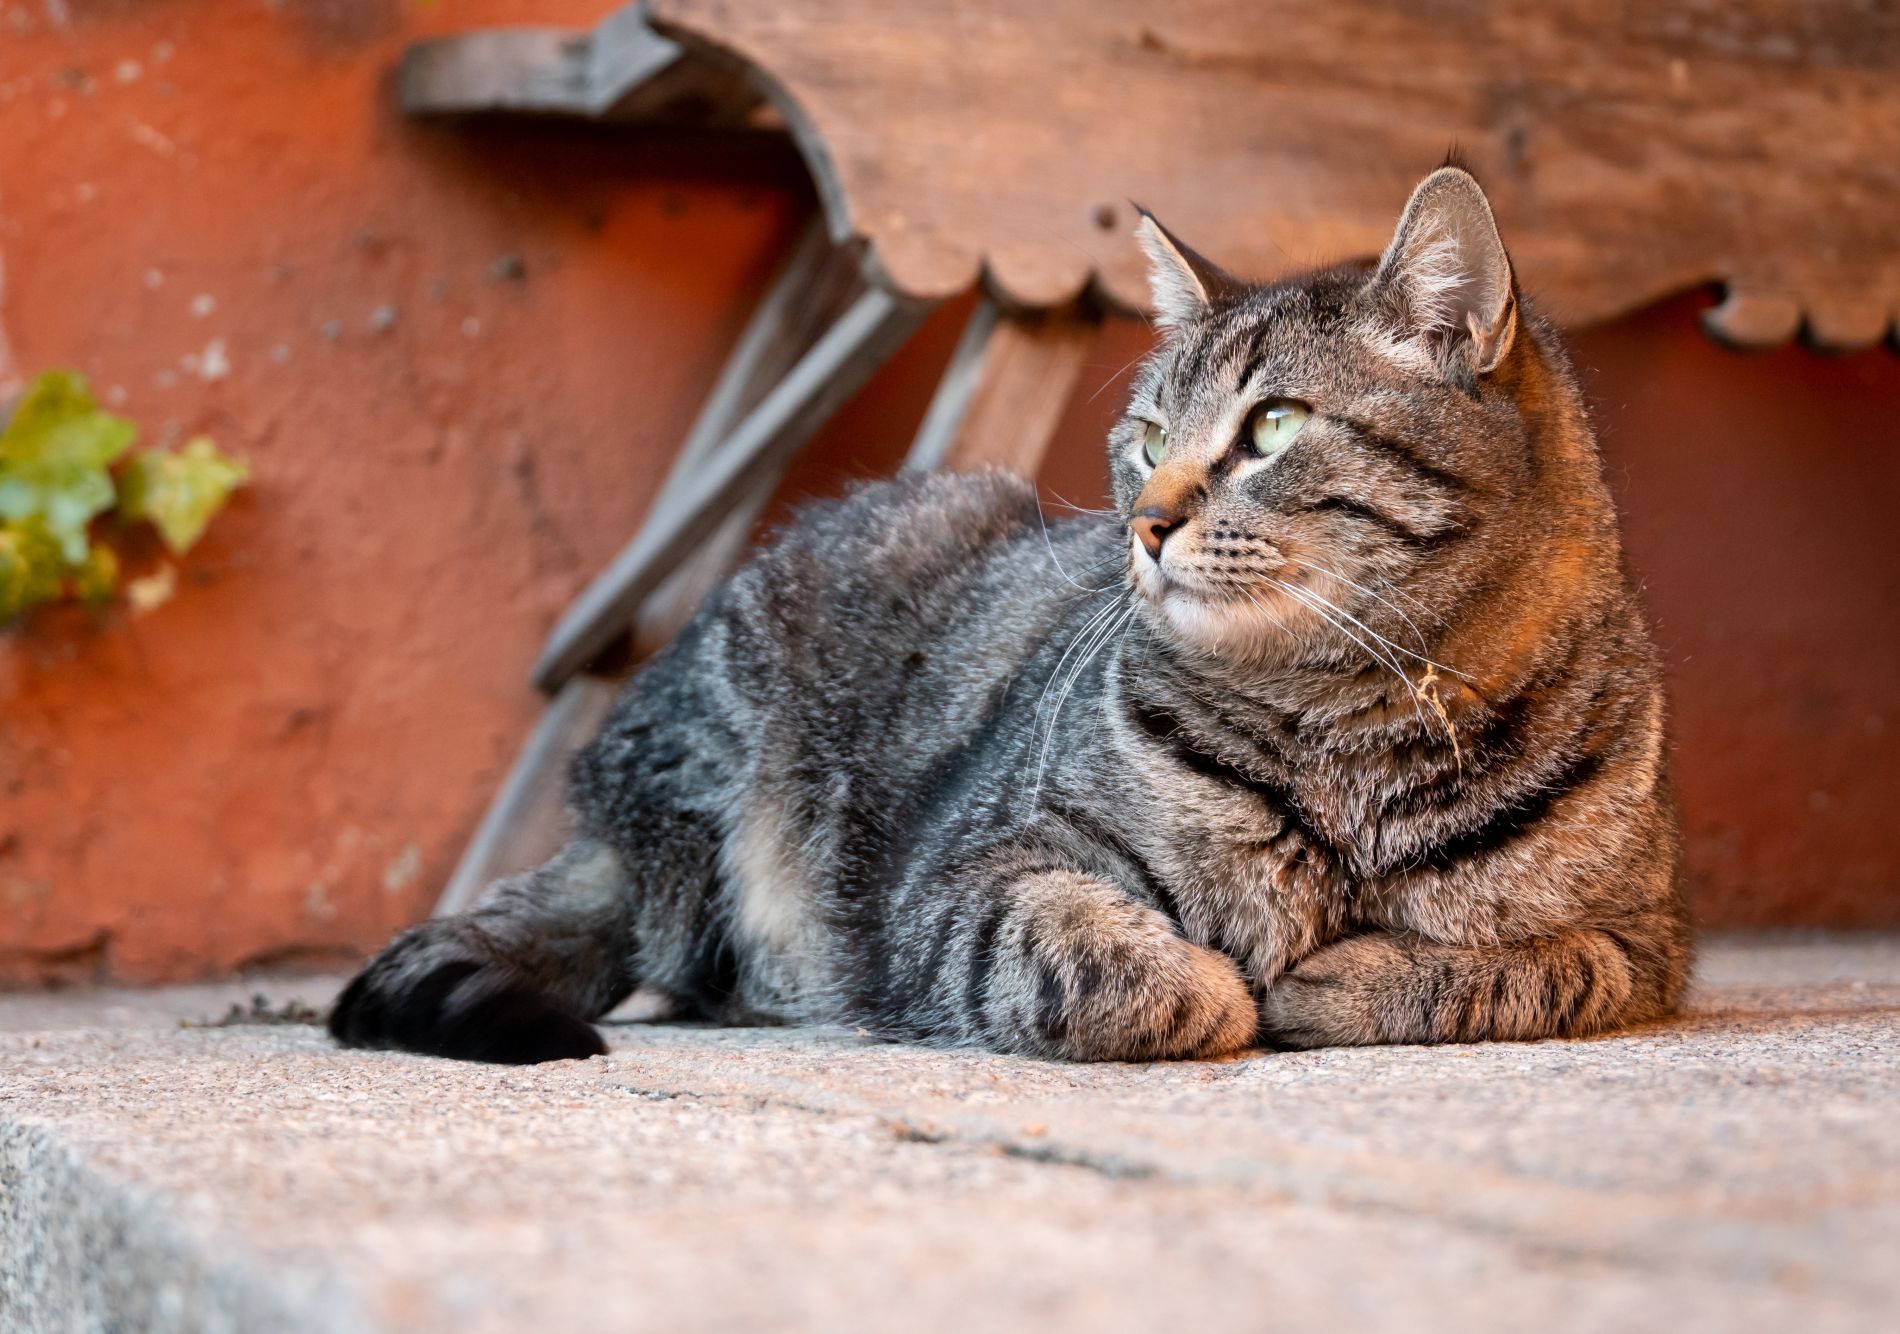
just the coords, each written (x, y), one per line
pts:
(281, 763)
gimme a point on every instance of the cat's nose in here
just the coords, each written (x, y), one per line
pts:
(1152, 525)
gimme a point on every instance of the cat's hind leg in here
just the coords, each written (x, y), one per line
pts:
(1057, 963)
(1385, 987)
(513, 981)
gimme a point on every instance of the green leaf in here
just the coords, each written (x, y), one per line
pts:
(96, 580)
(180, 492)
(54, 454)
(30, 566)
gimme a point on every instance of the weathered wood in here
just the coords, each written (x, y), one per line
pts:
(678, 596)
(526, 820)
(1746, 319)
(857, 344)
(1002, 396)
(816, 286)
(622, 70)
(1632, 151)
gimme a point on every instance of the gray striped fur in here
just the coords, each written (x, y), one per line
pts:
(1374, 754)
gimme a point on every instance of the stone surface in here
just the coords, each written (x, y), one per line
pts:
(1737, 1169)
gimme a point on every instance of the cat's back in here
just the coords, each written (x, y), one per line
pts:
(900, 613)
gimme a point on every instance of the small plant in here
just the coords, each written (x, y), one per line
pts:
(63, 464)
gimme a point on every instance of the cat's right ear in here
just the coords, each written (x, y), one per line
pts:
(1183, 285)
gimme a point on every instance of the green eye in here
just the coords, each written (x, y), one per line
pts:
(1274, 424)
(1154, 444)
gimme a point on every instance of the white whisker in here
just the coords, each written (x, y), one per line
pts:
(1361, 588)
(1397, 648)
(1055, 673)
(1056, 560)
(1391, 664)
(1100, 638)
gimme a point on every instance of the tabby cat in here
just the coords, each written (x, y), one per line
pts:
(1344, 726)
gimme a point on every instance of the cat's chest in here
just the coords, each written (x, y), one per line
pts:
(1284, 837)
(1261, 871)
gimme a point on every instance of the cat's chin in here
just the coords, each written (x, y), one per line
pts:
(1216, 624)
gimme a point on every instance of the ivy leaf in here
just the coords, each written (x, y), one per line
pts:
(54, 454)
(30, 565)
(98, 577)
(180, 492)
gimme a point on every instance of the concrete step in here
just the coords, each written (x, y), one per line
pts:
(1737, 1169)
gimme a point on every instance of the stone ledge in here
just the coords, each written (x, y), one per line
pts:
(1737, 1169)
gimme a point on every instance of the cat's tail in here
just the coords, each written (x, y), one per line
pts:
(514, 981)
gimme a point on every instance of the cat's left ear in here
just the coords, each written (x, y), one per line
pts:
(1447, 277)
(1184, 285)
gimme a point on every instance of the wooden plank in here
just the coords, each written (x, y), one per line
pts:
(678, 596)
(948, 406)
(817, 285)
(1753, 320)
(1003, 393)
(876, 324)
(622, 70)
(527, 820)
(1632, 151)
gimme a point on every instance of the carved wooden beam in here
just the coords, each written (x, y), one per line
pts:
(620, 71)
(1633, 151)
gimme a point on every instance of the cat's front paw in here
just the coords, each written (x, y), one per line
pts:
(1334, 997)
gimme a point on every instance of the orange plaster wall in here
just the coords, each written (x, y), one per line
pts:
(282, 762)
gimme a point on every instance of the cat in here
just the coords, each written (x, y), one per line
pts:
(1344, 726)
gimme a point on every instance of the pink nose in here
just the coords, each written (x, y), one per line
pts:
(1152, 525)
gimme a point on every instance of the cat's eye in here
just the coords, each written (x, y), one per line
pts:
(1273, 425)
(1154, 444)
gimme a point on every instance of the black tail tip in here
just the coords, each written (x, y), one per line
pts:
(465, 1013)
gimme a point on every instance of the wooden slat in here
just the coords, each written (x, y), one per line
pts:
(1003, 394)
(678, 596)
(850, 350)
(525, 822)
(816, 286)
(622, 70)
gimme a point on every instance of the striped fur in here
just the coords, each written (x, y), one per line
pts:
(1374, 753)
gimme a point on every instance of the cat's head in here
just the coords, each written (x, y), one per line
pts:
(1318, 449)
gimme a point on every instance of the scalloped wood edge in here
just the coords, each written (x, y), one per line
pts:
(931, 264)
(621, 70)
